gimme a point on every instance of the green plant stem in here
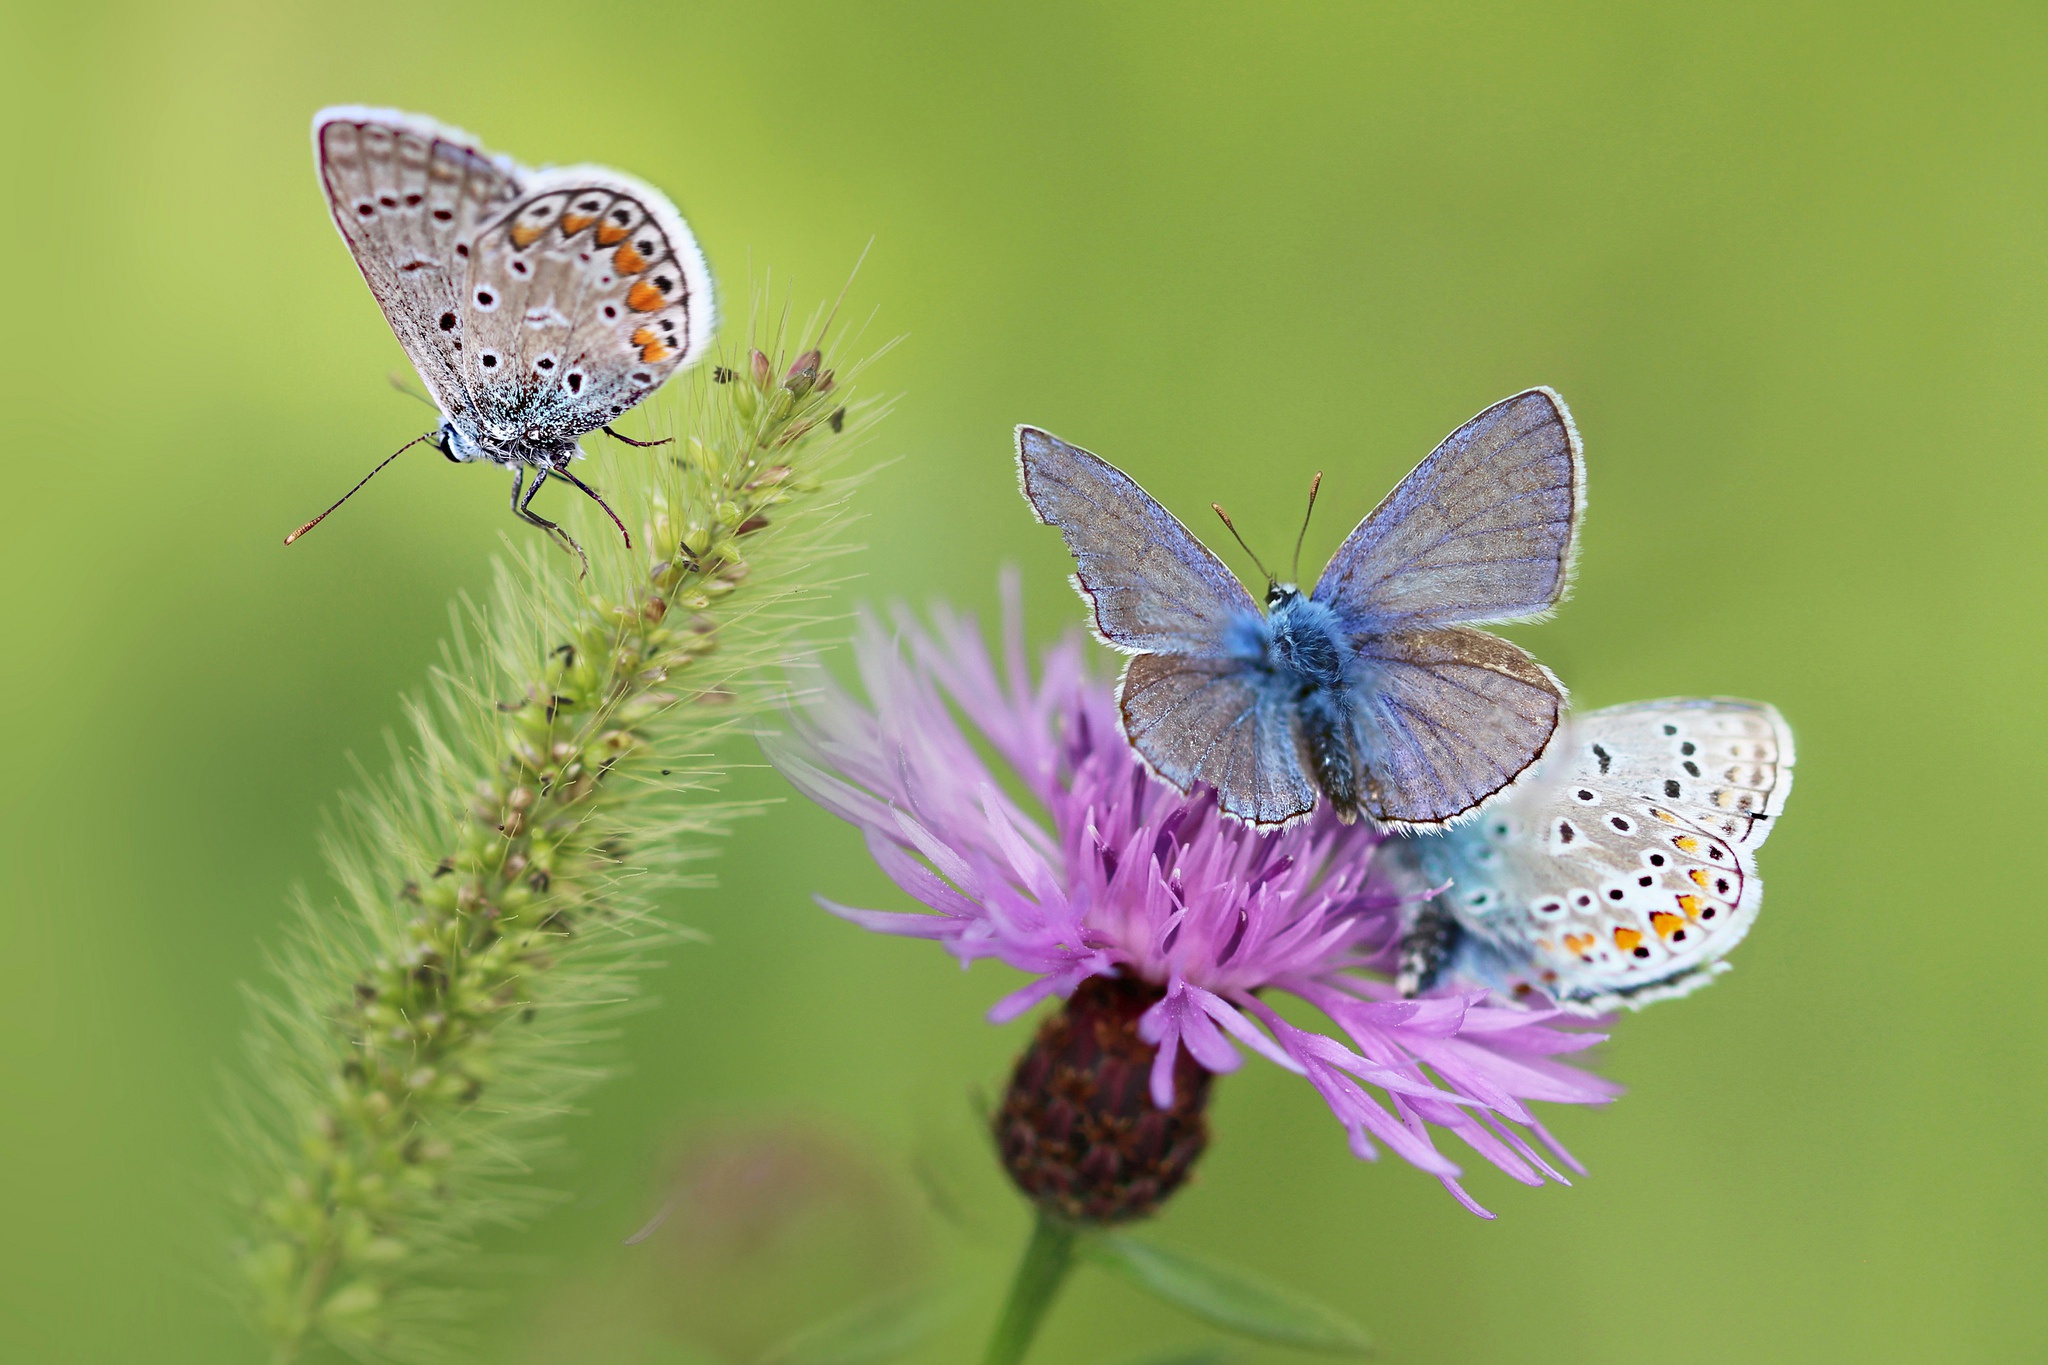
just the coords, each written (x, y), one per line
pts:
(1047, 1259)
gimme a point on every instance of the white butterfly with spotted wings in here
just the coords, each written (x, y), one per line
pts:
(1620, 872)
(536, 306)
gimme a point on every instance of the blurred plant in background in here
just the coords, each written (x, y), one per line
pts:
(420, 1035)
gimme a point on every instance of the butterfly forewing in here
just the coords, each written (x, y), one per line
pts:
(1483, 530)
(406, 195)
(583, 297)
(1617, 875)
(1153, 586)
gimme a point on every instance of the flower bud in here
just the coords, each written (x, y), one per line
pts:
(1078, 1131)
(803, 375)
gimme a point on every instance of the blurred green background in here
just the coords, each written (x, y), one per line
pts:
(1785, 261)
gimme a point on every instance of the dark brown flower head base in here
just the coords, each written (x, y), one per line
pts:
(1078, 1131)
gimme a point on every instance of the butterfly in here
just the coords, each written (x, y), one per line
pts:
(536, 306)
(1373, 688)
(1620, 872)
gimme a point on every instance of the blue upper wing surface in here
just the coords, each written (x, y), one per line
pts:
(1212, 720)
(1153, 586)
(1483, 530)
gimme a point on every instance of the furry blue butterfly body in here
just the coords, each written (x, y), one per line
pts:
(1373, 690)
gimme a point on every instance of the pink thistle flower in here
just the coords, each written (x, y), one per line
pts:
(1118, 875)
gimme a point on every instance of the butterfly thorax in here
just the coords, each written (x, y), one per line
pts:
(465, 444)
(1304, 640)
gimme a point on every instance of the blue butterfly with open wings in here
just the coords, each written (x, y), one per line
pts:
(1374, 688)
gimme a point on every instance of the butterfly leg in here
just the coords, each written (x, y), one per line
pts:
(527, 514)
(563, 471)
(631, 442)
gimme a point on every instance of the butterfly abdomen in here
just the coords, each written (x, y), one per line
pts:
(1307, 658)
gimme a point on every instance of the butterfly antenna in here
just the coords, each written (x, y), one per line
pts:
(358, 488)
(1314, 485)
(592, 494)
(1231, 527)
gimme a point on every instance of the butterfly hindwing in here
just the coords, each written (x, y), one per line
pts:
(1210, 720)
(1445, 719)
(584, 296)
(1617, 874)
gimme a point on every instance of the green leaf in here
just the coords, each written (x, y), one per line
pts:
(1230, 1299)
(886, 1329)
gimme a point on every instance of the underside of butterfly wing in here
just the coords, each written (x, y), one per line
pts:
(583, 297)
(405, 194)
(1617, 875)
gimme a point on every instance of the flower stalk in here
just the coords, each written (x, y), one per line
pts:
(421, 1037)
(1048, 1256)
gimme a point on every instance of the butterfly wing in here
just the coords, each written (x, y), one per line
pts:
(1485, 529)
(1623, 872)
(1444, 719)
(1482, 530)
(406, 193)
(1192, 705)
(1153, 588)
(1210, 720)
(583, 297)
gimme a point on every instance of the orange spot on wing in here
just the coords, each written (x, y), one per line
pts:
(524, 235)
(628, 261)
(1577, 943)
(652, 347)
(1628, 940)
(1665, 923)
(1689, 904)
(609, 232)
(1686, 844)
(573, 223)
(645, 298)
(1699, 877)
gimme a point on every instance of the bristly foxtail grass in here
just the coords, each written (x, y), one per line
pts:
(419, 1036)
